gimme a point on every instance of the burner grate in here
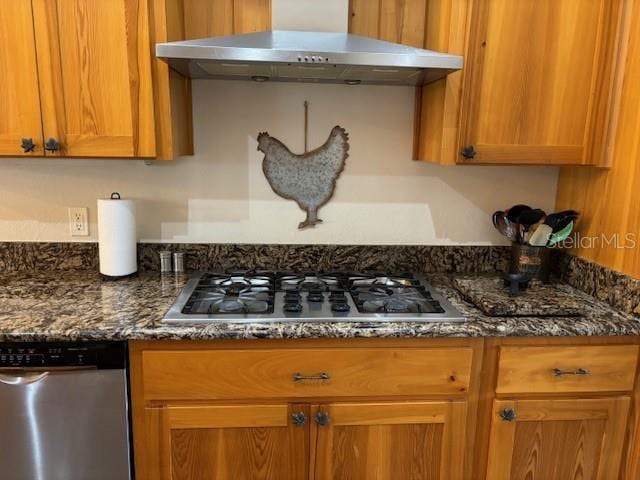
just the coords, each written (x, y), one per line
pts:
(380, 299)
(248, 296)
(233, 293)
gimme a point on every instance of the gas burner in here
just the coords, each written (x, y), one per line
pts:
(359, 280)
(321, 282)
(236, 280)
(377, 299)
(234, 293)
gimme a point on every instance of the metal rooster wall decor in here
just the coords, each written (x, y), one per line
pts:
(308, 179)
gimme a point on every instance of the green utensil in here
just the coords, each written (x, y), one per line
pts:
(561, 236)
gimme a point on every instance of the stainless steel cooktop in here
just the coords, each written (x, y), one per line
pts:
(267, 296)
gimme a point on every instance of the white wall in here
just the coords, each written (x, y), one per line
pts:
(221, 195)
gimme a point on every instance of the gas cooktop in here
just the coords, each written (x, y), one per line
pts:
(266, 296)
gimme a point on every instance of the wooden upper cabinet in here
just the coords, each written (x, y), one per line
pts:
(537, 87)
(78, 78)
(538, 81)
(557, 439)
(220, 442)
(95, 77)
(389, 441)
(19, 100)
(214, 18)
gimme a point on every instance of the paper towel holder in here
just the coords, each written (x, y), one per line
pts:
(117, 242)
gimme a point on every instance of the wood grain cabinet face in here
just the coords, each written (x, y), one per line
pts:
(557, 439)
(19, 99)
(386, 441)
(214, 18)
(400, 21)
(257, 442)
(538, 84)
(538, 80)
(94, 60)
(232, 374)
(386, 412)
(548, 369)
(390, 441)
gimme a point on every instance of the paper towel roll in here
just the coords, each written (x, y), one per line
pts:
(117, 236)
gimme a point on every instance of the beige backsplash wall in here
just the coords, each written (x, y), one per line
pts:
(221, 195)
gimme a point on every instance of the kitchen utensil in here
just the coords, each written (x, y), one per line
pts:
(504, 226)
(530, 217)
(496, 218)
(561, 236)
(540, 236)
(515, 211)
(559, 220)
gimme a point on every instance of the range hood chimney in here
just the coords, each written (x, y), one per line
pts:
(290, 55)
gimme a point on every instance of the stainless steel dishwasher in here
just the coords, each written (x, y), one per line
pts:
(64, 411)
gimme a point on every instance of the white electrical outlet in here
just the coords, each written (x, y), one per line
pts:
(79, 222)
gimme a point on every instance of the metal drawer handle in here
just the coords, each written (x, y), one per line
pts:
(580, 371)
(298, 377)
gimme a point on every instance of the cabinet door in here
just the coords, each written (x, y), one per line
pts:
(389, 441)
(557, 439)
(538, 81)
(94, 60)
(257, 442)
(19, 97)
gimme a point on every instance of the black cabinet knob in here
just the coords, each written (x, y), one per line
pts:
(299, 418)
(508, 414)
(468, 152)
(27, 145)
(52, 145)
(322, 418)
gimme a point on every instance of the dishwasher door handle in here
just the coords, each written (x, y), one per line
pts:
(23, 378)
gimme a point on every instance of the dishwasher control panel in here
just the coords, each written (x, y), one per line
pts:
(34, 355)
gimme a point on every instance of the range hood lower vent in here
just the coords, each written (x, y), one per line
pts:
(288, 56)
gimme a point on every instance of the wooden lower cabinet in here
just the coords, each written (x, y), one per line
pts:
(216, 442)
(560, 439)
(384, 409)
(390, 441)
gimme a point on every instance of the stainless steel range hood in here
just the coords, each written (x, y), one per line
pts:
(293, 56)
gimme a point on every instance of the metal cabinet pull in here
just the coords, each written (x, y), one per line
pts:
(299, 419)
(27, 145)
(322, 419)
(52, 145)
(580, 371)
(298, 377)
(508, 414)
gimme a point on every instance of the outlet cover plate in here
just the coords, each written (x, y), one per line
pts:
(79, 221)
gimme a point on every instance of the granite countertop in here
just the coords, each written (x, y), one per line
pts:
(81, 306)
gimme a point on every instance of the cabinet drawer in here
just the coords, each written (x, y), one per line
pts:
(237, 374)
(567, 369)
